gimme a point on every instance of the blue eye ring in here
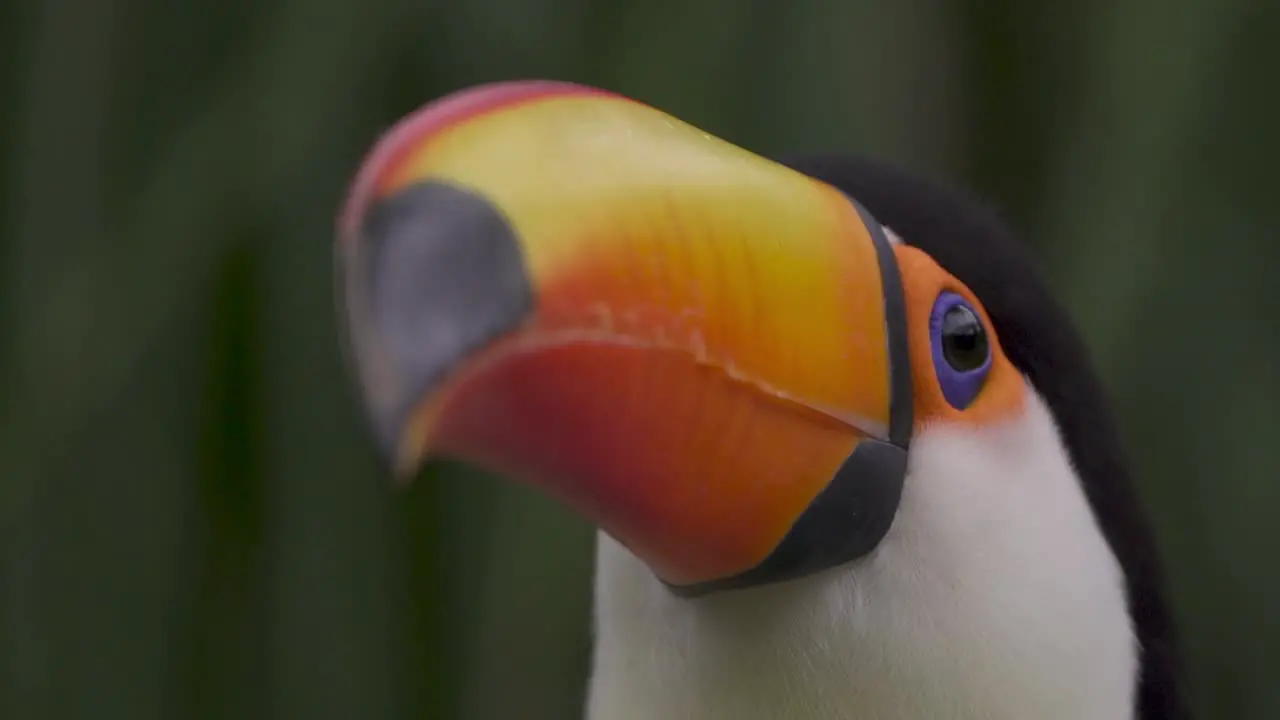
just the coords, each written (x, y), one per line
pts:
(961, 349)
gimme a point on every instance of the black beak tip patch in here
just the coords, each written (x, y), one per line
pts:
(436, 275)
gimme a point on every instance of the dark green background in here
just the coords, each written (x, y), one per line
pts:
(194, 524)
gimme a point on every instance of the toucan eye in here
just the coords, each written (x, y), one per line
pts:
(961, 351)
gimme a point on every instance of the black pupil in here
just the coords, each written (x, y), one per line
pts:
(964, 342)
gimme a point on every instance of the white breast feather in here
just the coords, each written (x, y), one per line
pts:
(993, 597)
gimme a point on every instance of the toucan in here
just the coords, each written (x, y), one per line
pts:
(847, 456)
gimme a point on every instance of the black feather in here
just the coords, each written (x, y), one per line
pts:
(973, 244)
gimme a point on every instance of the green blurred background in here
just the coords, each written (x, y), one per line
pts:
(194, 523)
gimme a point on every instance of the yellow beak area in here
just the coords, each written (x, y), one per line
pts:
(682, 341)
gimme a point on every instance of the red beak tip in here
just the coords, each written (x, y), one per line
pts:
(414, 129)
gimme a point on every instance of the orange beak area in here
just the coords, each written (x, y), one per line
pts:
(699, 350)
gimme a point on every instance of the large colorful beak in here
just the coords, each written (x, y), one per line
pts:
(696, 348)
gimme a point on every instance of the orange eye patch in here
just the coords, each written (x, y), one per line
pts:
(959, 371)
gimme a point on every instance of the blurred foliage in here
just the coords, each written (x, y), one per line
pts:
(194, 524)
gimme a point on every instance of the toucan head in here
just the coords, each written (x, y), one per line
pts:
(746, 372)
(715, 358)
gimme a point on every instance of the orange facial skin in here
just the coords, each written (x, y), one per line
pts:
(1003, 395)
